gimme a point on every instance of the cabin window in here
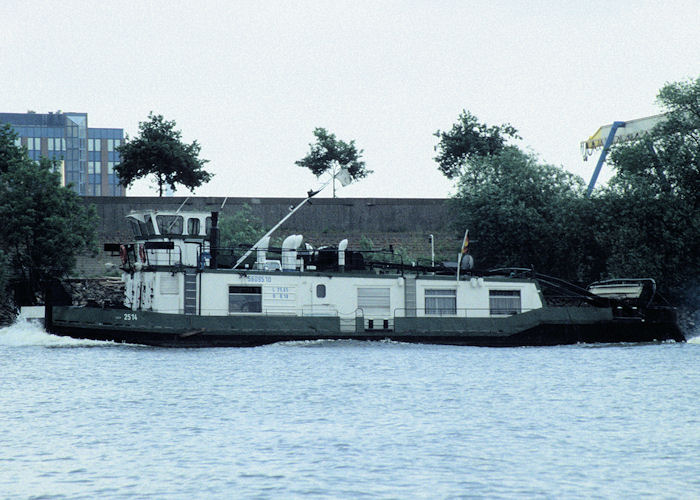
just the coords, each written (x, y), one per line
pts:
(149, 226)
(320, 291)
(169, 224)
(134, 225)
(504, 302)
(441, 302)
(244, 299)
(193, 227)
(374, 301)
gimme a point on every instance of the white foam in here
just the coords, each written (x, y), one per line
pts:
(24, 332)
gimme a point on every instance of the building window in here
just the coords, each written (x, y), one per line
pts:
(321, 291)
(94, 167)
(504, 302)
(441, 302)
(244, 299)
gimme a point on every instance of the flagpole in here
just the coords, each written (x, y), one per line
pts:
(465, 249)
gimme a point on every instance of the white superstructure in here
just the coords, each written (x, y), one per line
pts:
(172, 274)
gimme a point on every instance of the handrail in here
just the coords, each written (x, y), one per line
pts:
(464, 310)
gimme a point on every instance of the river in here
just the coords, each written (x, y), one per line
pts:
(339, 419)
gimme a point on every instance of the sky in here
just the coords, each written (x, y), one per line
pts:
(250, 80)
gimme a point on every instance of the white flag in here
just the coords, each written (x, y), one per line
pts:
(343, 176)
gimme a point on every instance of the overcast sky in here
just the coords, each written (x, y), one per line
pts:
(251, 80)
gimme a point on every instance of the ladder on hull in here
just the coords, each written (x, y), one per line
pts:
(190, 291)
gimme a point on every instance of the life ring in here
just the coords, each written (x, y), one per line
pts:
(142, 253)
(122, 254)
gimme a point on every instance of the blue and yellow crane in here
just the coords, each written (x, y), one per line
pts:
(616, 132)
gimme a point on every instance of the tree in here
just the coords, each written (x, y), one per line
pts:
(523, 213)
(649, 214)
(468, 140)
(240, 228)
(159, 151)
(7, 308)
(45, 226)
(644, 223)
(331, 154)
(10, 152)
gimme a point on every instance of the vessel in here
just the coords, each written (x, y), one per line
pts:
(183, 290)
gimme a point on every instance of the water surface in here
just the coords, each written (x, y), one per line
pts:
(340, 419)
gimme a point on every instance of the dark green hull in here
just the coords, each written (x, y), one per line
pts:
(541, 327)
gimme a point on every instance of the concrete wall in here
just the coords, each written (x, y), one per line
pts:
(400, 222)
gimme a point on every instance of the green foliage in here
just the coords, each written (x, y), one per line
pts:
(367, 245)
(159, 151)
(10, 152)
(649, 215)
(45, 226)
(643, 234)
(668, 159)
(400, 255)
(524, 213)
(7, 306)
(241, 228)
(469, 140)
(330, 154)
(4, 274)
(645, 223)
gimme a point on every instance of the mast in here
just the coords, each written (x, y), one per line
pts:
(310, 194)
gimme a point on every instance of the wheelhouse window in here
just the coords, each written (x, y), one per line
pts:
(134, 225)
(504, 302)
(441, 302)
(150, 230)
(320, 291)
(244, 299)
(193, 226)
(169, 224)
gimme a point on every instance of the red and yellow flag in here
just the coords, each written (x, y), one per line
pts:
(465, 244)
